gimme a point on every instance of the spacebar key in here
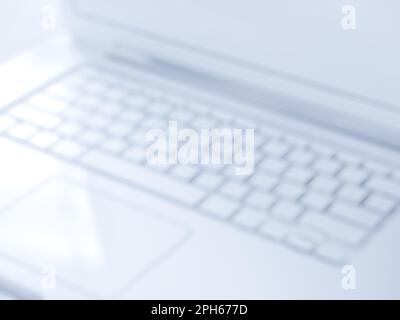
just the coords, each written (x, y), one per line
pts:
(142, 177)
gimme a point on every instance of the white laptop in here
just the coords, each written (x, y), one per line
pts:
(84, 215)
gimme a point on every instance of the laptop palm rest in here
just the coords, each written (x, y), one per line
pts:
(89, 240)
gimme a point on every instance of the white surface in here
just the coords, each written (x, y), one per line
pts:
(93, 240)
(304, 38)
(218, 261)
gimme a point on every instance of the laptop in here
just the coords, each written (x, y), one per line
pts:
(86, 215)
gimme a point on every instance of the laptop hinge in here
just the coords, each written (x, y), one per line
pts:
(261, 97)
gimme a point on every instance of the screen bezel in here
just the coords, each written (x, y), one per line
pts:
(110, 34)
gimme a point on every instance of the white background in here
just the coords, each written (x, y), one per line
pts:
(303, 38)
(21, 26)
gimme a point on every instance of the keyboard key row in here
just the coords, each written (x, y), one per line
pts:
(334, 228)
(305, 194)
(126, 171)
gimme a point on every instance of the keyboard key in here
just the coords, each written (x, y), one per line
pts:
(383, 185)
(352, 193)
(68, 149)
(316, 200)
(97, 121)
(301, 242)
(91, 137)
(223, 116)
(155, 93)
(182, 116)
(213, 168)
(259, 141)
(312, 235)
(289, 191)
(22, 131)
(82, 85)
(273, 166)
(270, 132)
(249, 218)
(300, 157)
(119, 129)
(138, 176)
(131, 117)
(275, 230)
(235, 190)
(131, 87)
(355, 214)
(209, 181)
(395, 174)
(159, 109)
(263, 181)
(377, 167)
(38, 118)
(325, 184)
(137, 100)
(296, 141)
(60, 91)
(177, 101)
(162, 168)
(380, 203)
(76, 115)
(322, 149)
(116, 94)
(276, 149)
(260, 200)
(219, 206)
(48, 103)
(332, 227)
(353, 175)
(135, 154)
(287, 210)
(230, 172)
(333, 252)
(89, 102)
(69, 129)
(299, 175)
(108, 109)
(185, 172)
(244, 123)
(204, 122)
(197, 107)
(138, 137)
(44, 139)
(153, 123)
(349, 159)
(327, 166)
(113, 145)
(94, 74)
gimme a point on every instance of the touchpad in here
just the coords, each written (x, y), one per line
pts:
(90, 239)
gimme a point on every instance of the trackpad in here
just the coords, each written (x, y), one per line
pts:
(92, 241)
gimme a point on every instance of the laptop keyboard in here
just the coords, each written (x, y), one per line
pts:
(309, 196)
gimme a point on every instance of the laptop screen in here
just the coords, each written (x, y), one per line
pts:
(307, 38)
